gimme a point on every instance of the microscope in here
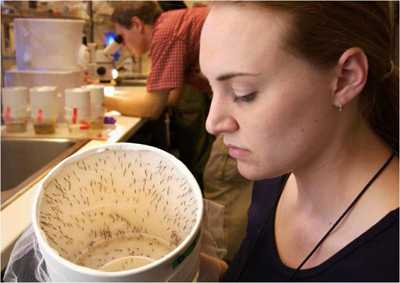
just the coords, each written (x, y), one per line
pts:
(101, 61)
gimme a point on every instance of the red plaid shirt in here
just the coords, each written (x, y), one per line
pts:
(174, 50)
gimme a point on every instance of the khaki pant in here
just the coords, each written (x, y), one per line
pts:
(224, 185)
(188, 132)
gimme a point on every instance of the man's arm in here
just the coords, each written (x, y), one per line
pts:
(140, 104)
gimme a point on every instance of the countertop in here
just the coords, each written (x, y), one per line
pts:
(16, 216)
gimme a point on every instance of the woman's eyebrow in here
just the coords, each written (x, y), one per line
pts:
(228, 76)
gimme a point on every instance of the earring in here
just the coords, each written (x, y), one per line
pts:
(339, 106)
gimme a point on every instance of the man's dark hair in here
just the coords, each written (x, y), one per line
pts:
(146, 11)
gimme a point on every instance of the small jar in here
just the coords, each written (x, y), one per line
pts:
(96, 106)
(44, 109)
(77, 108)
(15, 108)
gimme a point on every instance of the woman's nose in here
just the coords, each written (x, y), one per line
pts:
(220, 119)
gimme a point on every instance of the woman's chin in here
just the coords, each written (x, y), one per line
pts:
(255, 173)
(249, 172)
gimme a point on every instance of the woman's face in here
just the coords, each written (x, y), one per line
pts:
(273, 108)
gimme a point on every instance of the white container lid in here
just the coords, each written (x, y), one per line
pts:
(47, 44)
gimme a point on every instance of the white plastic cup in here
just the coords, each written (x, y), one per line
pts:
(44, 108)
(44, 100)
(77, 106)
(15, 108)
(96, 105)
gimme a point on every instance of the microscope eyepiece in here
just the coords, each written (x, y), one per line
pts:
(114, 46)
(118, 39)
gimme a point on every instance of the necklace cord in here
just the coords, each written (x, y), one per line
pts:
(343, 215)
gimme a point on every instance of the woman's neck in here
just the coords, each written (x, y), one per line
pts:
(332, 180)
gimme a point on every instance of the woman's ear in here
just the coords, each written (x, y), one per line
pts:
(351, 76)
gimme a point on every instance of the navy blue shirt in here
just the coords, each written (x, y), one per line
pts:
(373, 256)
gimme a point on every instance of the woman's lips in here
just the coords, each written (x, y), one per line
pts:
(237, 152)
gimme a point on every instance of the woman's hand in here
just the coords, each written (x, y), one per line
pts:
(211, 268)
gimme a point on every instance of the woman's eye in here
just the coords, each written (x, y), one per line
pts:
(245, 98)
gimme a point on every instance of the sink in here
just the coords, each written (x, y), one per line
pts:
(23, 160)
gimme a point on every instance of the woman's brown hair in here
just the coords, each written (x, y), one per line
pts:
(322, 31)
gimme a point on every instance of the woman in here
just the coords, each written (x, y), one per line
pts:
(306, 96)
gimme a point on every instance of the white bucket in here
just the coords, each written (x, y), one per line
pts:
(47, 44)
(117, 206)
